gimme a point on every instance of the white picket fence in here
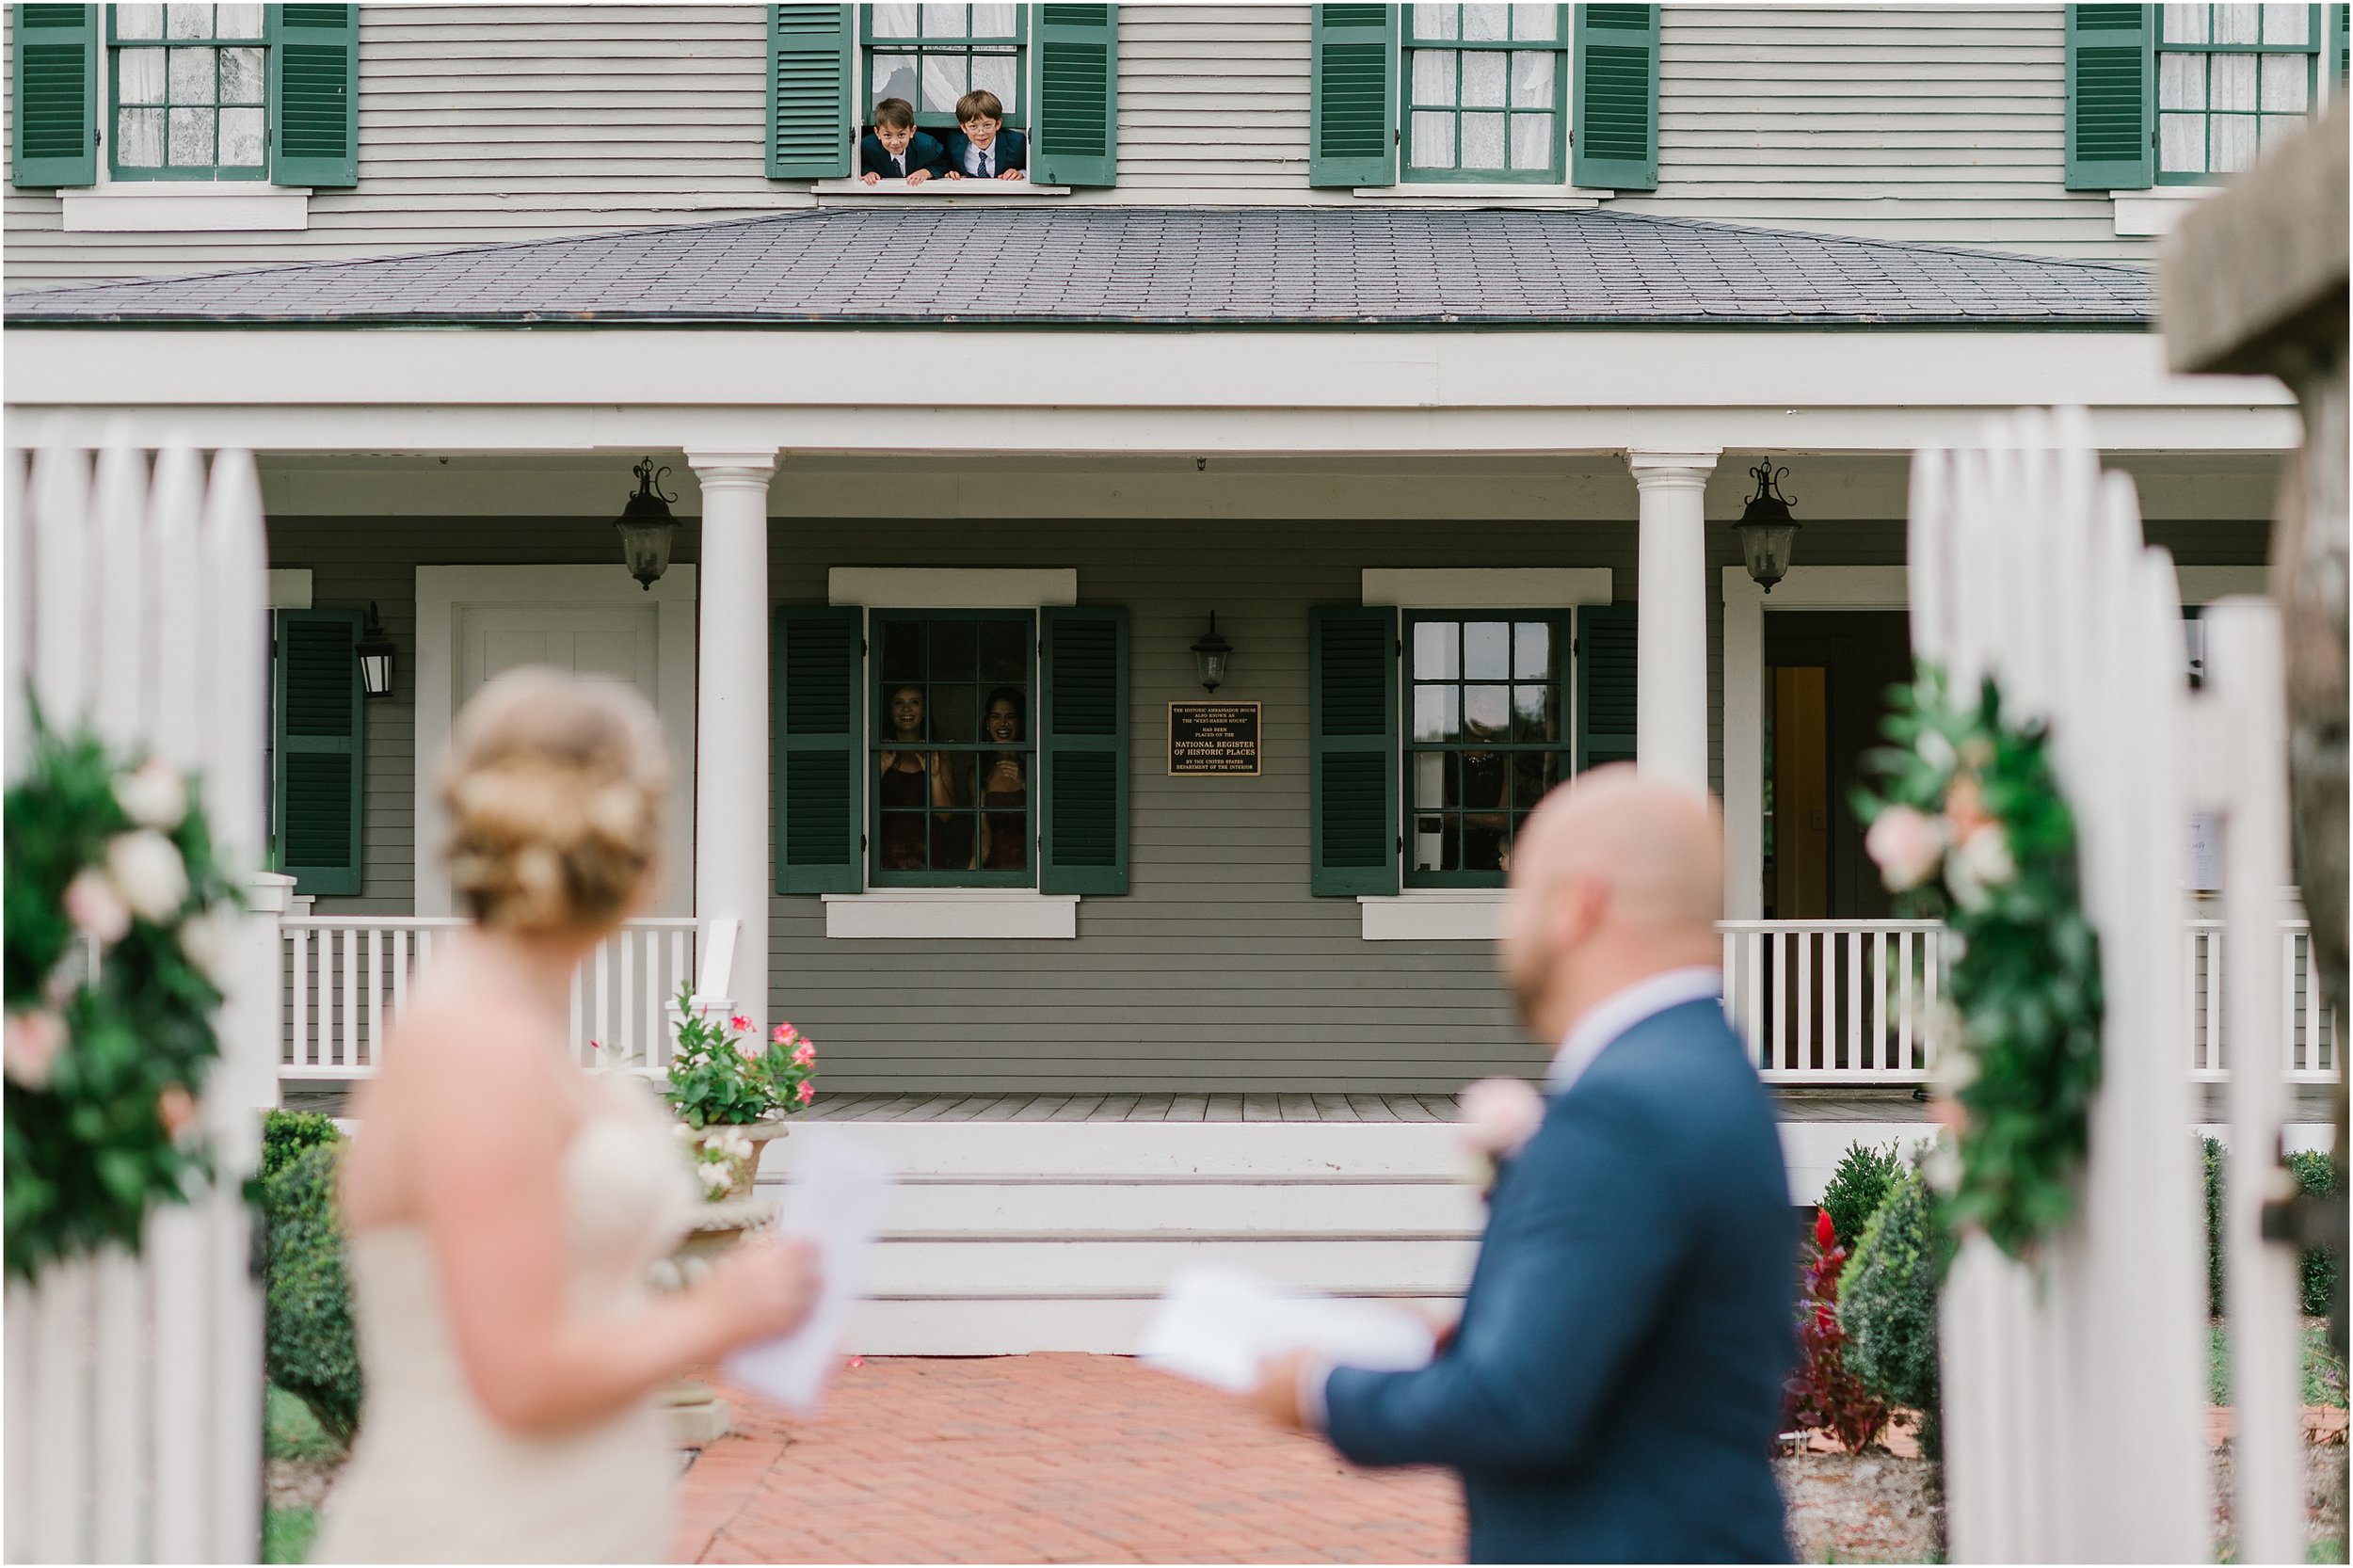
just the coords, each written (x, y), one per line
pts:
(347, 975)
(136, 600)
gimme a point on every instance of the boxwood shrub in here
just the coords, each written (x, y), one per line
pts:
(2315, 1173)
(1887, 1304)
(287, 1133)
(1858, 1186)
(312, 1354)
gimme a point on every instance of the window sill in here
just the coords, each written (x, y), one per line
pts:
(952, 914)
(1433, 915)
(186, 207)
(933, 190)
(2147, 214)
(1491, 196)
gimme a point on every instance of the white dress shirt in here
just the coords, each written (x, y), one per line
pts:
(1597, 1029)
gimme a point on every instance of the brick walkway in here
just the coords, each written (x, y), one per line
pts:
(1044, 1458)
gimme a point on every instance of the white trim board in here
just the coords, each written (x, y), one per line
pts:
(952, 914)
(444, 592)
(1433, 915)
(1486, 587)
(951, 589)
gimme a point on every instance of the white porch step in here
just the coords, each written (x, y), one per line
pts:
(1092, 1327)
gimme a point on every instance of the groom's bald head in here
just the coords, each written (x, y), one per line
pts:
(1615, 877)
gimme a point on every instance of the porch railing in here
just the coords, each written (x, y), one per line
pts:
(345, 975)
(2308, 1030)
(1833, 1001)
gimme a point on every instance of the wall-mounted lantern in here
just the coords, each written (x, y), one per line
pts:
(374, 651)
(1766, 528)
(646, 527)
(1211, 654)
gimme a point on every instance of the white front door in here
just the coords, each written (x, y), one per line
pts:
(474, 623)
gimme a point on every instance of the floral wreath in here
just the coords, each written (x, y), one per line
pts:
(119, 924)
(1971, 828)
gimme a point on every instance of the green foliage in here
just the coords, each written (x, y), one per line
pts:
(287, 1533)
(313, 1352)
(287, 1133)
(2324, 1373)
(2215, 1155)
(2021, 1052)
(719, 1079)
(1857, 1188)
(291, 1431)
(99, 1129)
(2315, 1173)
(1888, 1301)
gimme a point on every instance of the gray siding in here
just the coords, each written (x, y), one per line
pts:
(492, 124)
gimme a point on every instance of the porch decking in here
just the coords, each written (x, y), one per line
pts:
(1878, 1105)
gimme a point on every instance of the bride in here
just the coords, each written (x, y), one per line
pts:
(503, 1205)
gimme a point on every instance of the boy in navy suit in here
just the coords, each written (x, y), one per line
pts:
(983, 149)
(895, 150)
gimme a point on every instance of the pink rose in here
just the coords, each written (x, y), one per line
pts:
(806, 1093)
(95, 908)
(1498, 1116)
(741, 1024)
(1905, 845)
(804, 1055)
(33, 1040)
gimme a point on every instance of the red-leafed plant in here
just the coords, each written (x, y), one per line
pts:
(1823, 1395)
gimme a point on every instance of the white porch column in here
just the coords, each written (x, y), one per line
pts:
(731, 776)
(1670, 645)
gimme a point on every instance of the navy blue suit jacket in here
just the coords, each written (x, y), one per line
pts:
(1011, 150)
(1614, 1387)
(923, 151)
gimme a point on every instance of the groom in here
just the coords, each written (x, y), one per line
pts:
(1612, 1391)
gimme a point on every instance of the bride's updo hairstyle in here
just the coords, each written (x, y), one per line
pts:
(554, 788)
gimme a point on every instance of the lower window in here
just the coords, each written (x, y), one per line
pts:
(951, 759)
(1487, 733)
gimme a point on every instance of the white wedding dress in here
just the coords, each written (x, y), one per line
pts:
(432, 1477)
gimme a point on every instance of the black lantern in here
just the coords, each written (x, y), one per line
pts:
(1766, 528)
(1210, 655)
(375, 658)
(646, 527)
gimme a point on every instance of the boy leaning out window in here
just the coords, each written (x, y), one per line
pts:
(895, 150)
(981, 148)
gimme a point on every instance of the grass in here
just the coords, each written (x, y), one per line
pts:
(286, 1533)
(2324, 1374)
(293, 1432)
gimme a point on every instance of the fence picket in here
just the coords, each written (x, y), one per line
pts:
(118, 1401)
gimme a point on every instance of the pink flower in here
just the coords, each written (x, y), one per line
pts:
(1498, 1116)
(806, 1093)
(1906, 846)
(782, 1034)
(857, 1361)
(95, 907)
(804, 1055)
(33, 1042)
(176, 1109)
(740, 1024)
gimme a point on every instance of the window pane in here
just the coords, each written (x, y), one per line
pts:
(2186, 24)
(139, 21)
(1437, 778)
(2182, 143)
(188, 21)
(2238, 24)
(1436, 846)
(237, 21)
(945, 21)
(1531, 79)
(1486, 24)
(1482, 79)
(1536, 23)
(1532, 774)
(944, 80)
(1437, 22)
(2285, 78)
(997, 73)
(2231, 79)
(191, 78)
(1531, 650)
(2276, 126)
(2180, 81)
(241, 138)
(1433, 77)
(2287, 24)
(1482, 141)
(1487, 713)
(1435, 644)
(894, 77)
(1532, 718)
(1434, 140)
(955, 649)
(1486, 649)
(2234, 144)
(992, 21)
(241, 75)
(1002, 647)
(894, 21)
(140, 138)
(955, 710)
(1437, 713)
(139, 76)
(902, 650)
(191, 134)
(1532, 141)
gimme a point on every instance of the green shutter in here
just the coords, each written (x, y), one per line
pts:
(54, 102)
(1605, 692)
(1352, 121)
(1352, 758)
(811, 53)
(816, 660)
(1082, 750)
(2337, 56)
(318, 749)
(1614, 101)
(2111, 97)
(1076, 119)
(315, 95)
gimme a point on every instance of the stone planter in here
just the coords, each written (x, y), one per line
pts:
(745, 1172)
(698, 1415)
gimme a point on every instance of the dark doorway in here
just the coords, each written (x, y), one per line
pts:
(1827, 675)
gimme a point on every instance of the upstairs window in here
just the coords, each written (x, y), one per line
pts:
(191, 93)
(2229, 80)
(930, 56)
(1486, 93)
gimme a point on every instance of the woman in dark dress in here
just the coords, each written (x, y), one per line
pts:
(910, 779)
(1004, 786)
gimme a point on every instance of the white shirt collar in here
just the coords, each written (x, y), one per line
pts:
(1622, 1009)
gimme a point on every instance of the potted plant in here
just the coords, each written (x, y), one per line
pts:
(734, 1091)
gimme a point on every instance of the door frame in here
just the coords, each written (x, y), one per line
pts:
(444, 591)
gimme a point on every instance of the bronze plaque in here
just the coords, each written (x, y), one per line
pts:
(1213, 738)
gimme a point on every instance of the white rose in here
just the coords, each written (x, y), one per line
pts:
(1981, 863)
(152, 796)
(1905, 845)
(95, 907)
(1936, 751)
(204, 942)
(146, 869)
(715, 1178)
